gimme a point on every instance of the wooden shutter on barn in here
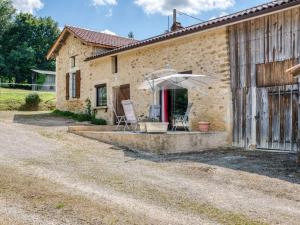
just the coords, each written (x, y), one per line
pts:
(78, 81)
(67, 86)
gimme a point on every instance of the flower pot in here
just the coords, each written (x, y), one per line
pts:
(157, 127)
(204, 126)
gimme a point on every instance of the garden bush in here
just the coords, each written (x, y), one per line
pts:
(80, 117)
(32, 100)
(96, 121)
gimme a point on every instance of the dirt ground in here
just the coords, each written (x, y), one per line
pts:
(49, 176)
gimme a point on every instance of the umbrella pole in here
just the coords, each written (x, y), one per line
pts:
(153, 92)
(153, 97)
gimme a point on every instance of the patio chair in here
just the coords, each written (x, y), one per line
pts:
(130, 115)
(182, 119)
(119, 119)
(154, 112)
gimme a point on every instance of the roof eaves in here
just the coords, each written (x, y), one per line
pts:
(70, 29)
(226, 20)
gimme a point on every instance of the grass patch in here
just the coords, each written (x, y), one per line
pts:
(60, 205)
(14, 99)
(80, 117)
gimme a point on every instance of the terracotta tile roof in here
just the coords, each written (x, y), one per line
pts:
(90, 37)
(221, 21)
(99, 38)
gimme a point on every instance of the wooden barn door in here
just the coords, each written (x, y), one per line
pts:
(121, 93)
(277, 117)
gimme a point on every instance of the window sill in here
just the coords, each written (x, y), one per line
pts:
(100, 107)
(73, 99)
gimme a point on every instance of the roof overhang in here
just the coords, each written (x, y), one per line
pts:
(45, 72)
(229, 20)
(60, 41)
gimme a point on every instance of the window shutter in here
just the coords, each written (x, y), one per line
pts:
(78, 81)
(67, 86)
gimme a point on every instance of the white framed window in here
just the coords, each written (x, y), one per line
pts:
(101, 95)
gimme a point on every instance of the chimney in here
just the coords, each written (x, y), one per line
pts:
(176, 25)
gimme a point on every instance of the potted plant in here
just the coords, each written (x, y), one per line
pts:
(204, 126)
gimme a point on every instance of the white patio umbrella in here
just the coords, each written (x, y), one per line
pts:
(174, 81)
(170, 79)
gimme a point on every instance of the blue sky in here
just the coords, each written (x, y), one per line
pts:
(145, 18)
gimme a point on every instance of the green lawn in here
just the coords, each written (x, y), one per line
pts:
(14, 99)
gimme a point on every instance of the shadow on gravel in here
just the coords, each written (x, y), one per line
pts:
(42, 119)
(275, 165)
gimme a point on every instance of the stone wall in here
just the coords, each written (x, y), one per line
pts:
(169, 143)
(72, 47)
(203, 53)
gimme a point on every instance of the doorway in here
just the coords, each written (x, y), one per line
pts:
(173, 102)
(120, 93)
(277, 118)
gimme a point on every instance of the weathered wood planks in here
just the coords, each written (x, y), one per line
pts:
(260, 52)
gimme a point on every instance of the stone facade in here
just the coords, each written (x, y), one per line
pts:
(72, 47)
(203, 53)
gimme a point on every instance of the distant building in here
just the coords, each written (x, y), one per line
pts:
(43, 80)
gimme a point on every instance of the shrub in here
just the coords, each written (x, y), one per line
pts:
(63, 113)
(80, 117)
(88, 107)
(100, 121)
(32, 100)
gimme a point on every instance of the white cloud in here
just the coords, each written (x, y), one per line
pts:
(109, 13)
(28, 6)
(165, 7)
(221, 15)
(104, 2)
(106, 31)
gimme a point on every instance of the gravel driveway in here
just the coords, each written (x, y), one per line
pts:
(49, 176)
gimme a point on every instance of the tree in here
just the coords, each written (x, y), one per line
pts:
(131, 35)
(25, 45)
(19, 63)
(6, 15)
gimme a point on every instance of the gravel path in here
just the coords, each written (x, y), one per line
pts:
(49, 176)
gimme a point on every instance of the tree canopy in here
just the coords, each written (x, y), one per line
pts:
(131, 35)
(6, 15)
(24, 45)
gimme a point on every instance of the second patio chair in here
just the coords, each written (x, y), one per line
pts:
(130, 115)
(182, 119)
(119, 119)
(154, 112)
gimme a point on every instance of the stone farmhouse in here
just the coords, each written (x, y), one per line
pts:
(253, 100)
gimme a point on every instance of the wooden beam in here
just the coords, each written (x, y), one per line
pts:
(295, 70)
